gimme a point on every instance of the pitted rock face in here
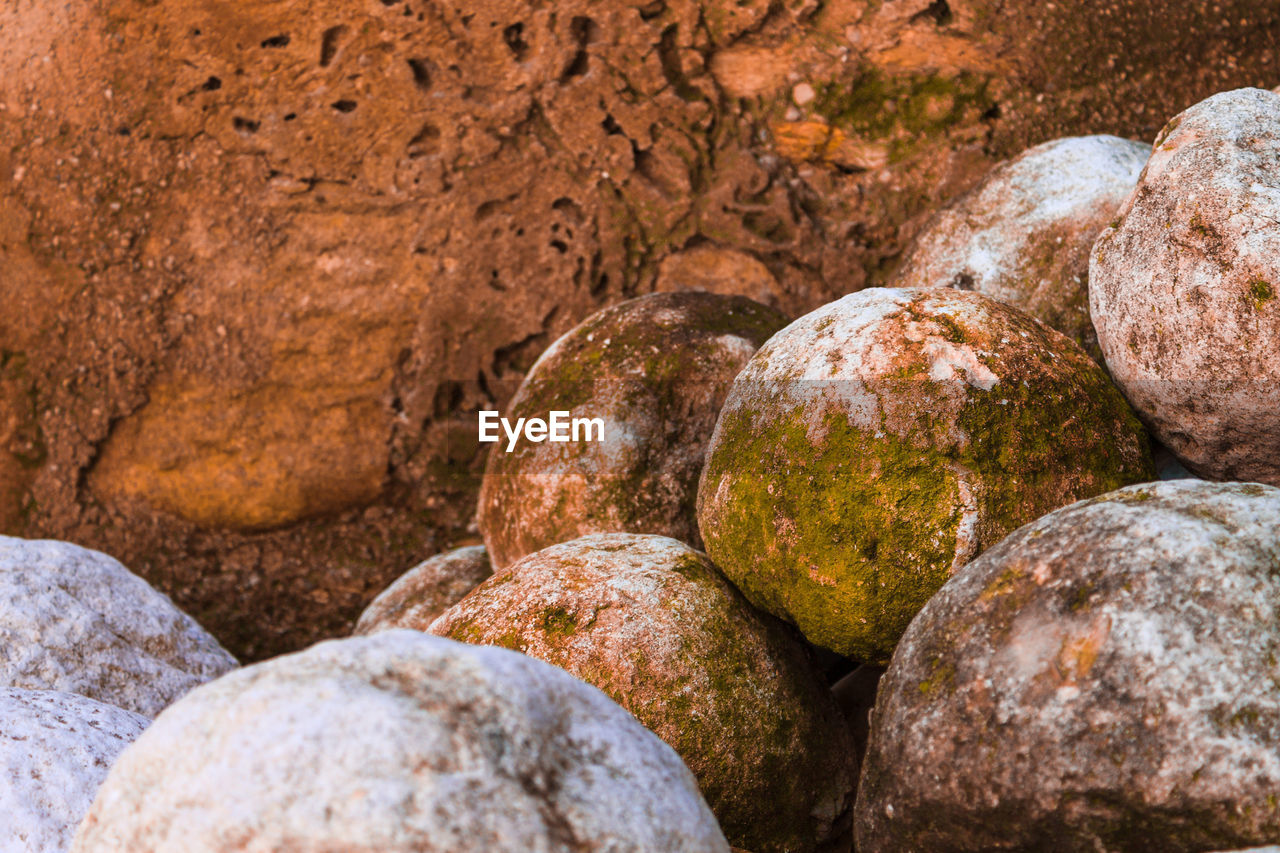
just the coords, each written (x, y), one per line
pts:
(55, 750)
(1103, 679)
(399, 742)
(1183, 288)
(652, 623)
(1023, 235)
(879, 443)
(76, 620)
(425, 591)
(655, 370)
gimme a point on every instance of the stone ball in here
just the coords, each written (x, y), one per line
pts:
(876, 445)
(1183, 288)
(75, 620)
(1024, 234)
(1103, 679)
(398, 742)
(428, 589)
(55, 750)
(653, 624)
(654, 371)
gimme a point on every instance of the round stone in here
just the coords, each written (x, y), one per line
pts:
(1024, 234)
(654, 371)
(55, 750)
(1103, 679)
(398, 742)
(1183, 288)
(427, 590)
(75, 620)
(879, 443)
(653, 624)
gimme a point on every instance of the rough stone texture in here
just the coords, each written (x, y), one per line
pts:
(427, 590)
(76, 620)
(655, 370)
(55, 750)
(1023, 235)
(398, 742)
(1183, 288)
(232, 234)
(724, 271)
(876, 445)
(652, 623)
(1102, 680)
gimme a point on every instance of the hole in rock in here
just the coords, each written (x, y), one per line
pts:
(514, 37)
(329, 44)
(213, 84)
(344, 106)
(245, 125)
(421, 70)
(276, 41)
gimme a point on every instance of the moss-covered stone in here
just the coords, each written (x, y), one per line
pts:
(878, 444)
(652, 623)
(655, 370)
(1105, 677)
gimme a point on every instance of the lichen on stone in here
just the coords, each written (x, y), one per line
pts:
(876, 445)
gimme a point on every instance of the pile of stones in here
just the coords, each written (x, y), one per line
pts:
(902, 574)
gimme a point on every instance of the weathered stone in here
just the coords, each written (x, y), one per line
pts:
(1023, 235)
(725, 271)
(652, 623)
(879, 443)
(55, 750)
(1102, 680)
(655, 371)
(237, 233)
(427, 590)
(76, 620)
(1183, 288)
(398, 742)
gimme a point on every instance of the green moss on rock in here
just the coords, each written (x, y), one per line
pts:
(842, 502)
(654, 370)
(653, 624)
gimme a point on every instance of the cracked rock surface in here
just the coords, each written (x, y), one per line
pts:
(876, 445)
(399, 742)
(1023, 235)
(653, 624)
(55, 750)
(1103, 679)
(1184, 284)
(75, 620)
(655, 371)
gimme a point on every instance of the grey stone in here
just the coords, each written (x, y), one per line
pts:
(398, 742)
(1104, 679)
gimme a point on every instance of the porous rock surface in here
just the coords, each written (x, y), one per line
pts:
(236, 236)
(1023, 236)
(876, 445)
(1104, 679)
(427, 590)
(75, 620)
(398, 742)
(655, 370)
(653, 624)
(1183, 288)
(55, 750)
